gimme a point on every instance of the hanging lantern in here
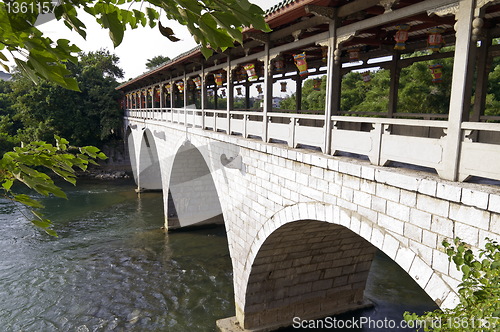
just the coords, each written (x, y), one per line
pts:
(435, 39)
(168, 88)
(218, 79)
(353, 54)
(180, 86)
(150, 92)
(401, 36)
(197, 81)
(366, 77)
(157, 95)
(223, 93)
(279, 64)
(252, 75)
(324, 54)
(240, 74)
(317, 84)
(259, 89)
(283, 86)
(238, 91)
(436, 72)
(301, 63)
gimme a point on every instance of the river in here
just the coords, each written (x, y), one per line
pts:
(113, 269)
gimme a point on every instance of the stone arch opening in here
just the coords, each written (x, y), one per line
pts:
(149, 172)
(306, 269)
(131, 151)
(192, 197)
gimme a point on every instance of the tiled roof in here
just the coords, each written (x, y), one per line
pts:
(278, 6)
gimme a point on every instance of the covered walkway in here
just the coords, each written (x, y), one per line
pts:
(324, 40)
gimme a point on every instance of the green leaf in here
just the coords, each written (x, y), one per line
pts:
(7, 184)
(207, 52)
(116, 29)
(28, 201)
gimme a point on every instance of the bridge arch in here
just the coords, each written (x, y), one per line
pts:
(148, 165)
(193, 198)
(312, 260)
(129, 135)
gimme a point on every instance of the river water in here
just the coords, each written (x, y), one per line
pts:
(113, 269)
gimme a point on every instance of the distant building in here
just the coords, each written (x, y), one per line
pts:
(5, 76)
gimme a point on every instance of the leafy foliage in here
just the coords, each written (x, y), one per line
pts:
(22, 165)
(479, 307)
(213, 23)
(156, 61)
(416, 94)
(89, 117)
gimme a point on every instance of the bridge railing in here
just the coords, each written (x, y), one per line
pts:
(381, 140)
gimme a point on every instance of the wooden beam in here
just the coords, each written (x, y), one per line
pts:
(356, 6)
(392, 16)
(326, 12)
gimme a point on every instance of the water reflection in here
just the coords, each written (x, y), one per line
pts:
(112, 268)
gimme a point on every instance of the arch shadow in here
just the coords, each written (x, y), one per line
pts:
(149, 171)
(192, 199)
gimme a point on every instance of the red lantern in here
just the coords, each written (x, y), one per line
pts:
(283, 86)
(401, 36)
(252, 75)
(157, 95)
(279, 64)
(197, 81)
(180, 86)
(218, 79)
(301, 63)
(435, 39)
(353, 54)
(437, 73)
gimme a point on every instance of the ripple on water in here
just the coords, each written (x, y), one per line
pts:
(113, 269)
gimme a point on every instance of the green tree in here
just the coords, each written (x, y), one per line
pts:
(479, 292)
(89, 117)
(156, 61)
(213, 23)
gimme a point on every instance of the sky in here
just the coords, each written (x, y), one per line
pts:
(138, 45)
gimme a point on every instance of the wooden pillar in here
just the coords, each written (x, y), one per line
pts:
(483, 69)
(185, 90)
(394, 85)
(229, 95)
(460, 89)
(268, 92)
(247, 95)
(203, 95)
(298, 93)
(330, 86)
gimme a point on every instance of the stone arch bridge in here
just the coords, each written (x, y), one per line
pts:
(303, 226)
